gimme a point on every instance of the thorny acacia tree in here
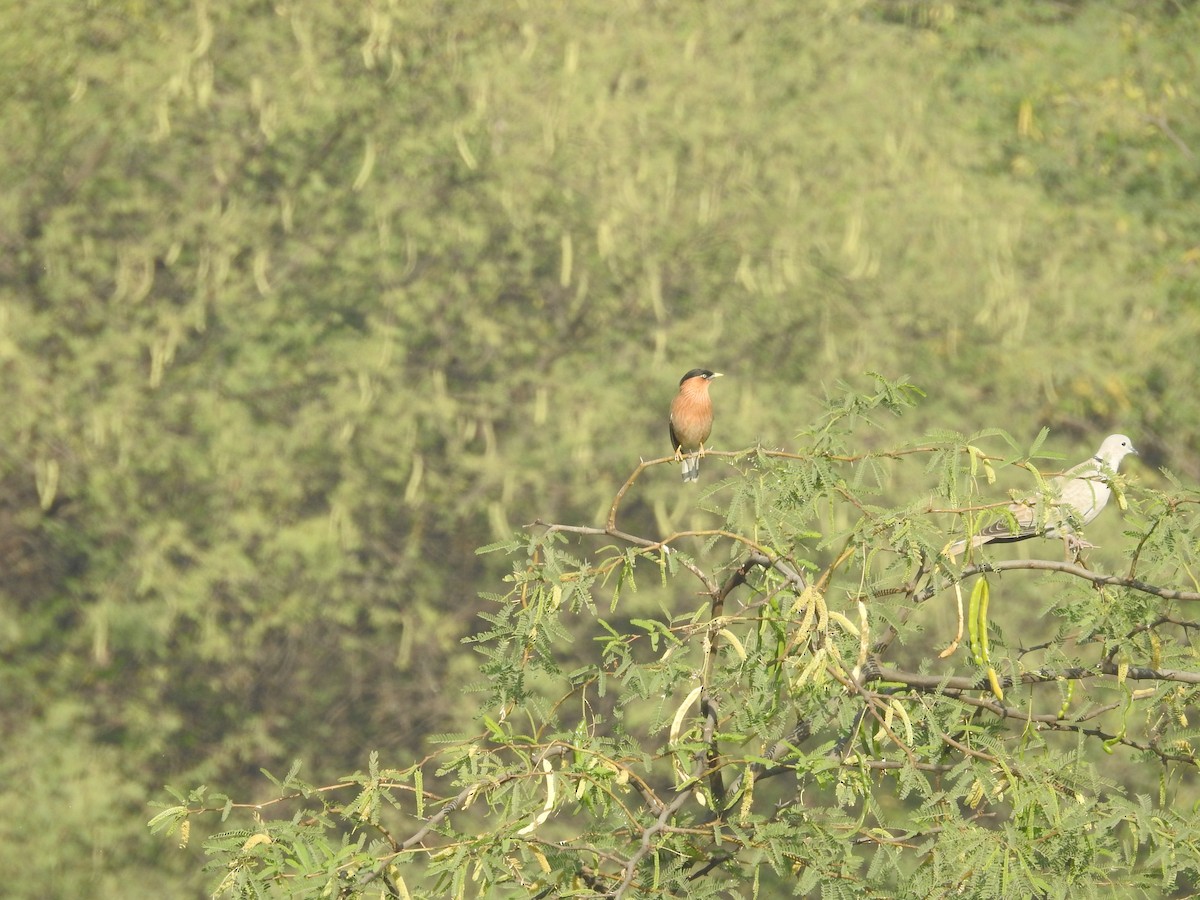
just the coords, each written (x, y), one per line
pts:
(793, 728)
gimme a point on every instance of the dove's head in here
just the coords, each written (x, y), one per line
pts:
(1114, 449)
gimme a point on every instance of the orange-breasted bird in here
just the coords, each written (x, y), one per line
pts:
(691, 419)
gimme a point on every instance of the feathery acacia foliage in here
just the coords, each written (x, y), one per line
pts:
(761, 731)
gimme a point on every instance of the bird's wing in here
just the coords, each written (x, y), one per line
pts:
(675, 442)
(1021, 521)
(1085, 492)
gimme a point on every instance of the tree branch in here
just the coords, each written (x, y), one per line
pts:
(1097, 578)
(951, 685)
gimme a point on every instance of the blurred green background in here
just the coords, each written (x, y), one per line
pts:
(302, 302)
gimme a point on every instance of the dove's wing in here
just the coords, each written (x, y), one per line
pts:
(1083, 493)
(1020, 523)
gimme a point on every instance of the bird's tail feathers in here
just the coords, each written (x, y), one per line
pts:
(691, 468)
(959, 546)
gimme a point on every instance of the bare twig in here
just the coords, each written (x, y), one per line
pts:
(747, 453)
(1161, 123)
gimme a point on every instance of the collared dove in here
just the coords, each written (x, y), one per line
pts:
(1076, 497)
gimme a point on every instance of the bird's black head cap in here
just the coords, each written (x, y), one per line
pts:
(698, 373)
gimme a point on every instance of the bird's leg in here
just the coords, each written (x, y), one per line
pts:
(700, 452)
(678, 454)
(1075, 545)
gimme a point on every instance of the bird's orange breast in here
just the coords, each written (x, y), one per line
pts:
(692, 415)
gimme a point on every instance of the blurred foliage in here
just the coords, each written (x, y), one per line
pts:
(300, 303)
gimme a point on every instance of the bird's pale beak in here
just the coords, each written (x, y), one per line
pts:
(718, 374)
